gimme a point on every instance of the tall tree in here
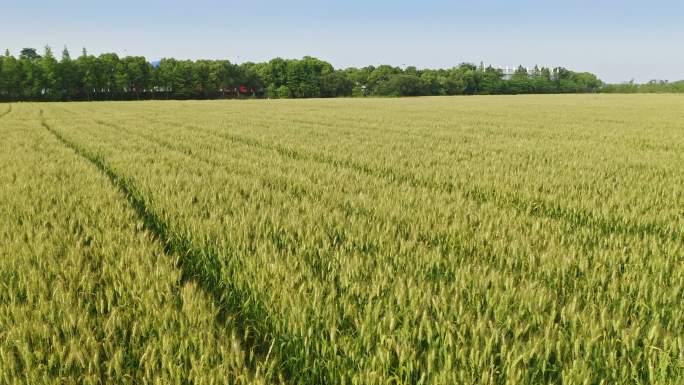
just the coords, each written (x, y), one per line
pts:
(51, 80)
(69, 75)
(134, 75)
(10, 79)
(31, 74)
(108, 73)
(29, 54)
(88, 68)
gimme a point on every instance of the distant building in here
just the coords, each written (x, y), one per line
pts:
(508, 72)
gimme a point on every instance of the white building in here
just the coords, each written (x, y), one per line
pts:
(508, 72)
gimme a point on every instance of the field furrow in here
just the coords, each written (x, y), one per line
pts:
(533, 207)
(9, 109)
(347, 268)
(88, 294)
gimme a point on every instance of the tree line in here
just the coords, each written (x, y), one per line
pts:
(653, 86)
(42, 77)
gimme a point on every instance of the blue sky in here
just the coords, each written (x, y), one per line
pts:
(618, 40)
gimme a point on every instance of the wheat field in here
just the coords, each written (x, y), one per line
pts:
(438, 240)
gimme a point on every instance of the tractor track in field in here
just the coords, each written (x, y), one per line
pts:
(437, 240)
(202, 268)
(9, 109)
(205, 267)
(440, 241)
(207, 275)
(536, 208)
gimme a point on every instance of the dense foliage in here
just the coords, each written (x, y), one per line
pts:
(497, 240)
(652, 87)
(35, 77)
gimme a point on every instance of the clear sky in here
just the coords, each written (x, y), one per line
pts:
(617, 40)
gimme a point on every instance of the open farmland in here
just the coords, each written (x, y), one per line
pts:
(480, 240)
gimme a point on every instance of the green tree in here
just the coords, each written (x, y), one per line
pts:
(227, 75)
(107, 75)
(433, 80)
(284, 92)
(89, 70)
(29, 54)
(336, 84)
(10, 78)
(491, 82)
(380, 75)
(69, 76)
(31, 75)
(401, 85)
(134, 75)
(51, 81)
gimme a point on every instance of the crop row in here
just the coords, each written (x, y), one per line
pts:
(89, 295)
(348, 274)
